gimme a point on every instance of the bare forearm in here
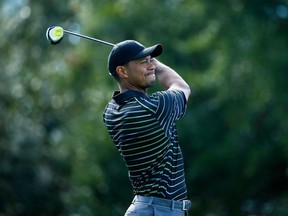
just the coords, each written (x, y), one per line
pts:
(170, 79)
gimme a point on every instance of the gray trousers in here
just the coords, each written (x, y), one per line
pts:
(152, 206)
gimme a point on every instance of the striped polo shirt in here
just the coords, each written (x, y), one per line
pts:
(143, 128)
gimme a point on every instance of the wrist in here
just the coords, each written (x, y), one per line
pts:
(159, 67)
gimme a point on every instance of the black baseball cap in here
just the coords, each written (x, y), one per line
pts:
(129, 50)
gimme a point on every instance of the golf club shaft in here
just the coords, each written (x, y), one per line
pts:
(89, 38)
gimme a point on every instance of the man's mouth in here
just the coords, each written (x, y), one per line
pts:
(150, 73)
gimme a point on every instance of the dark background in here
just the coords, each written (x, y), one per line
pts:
(56, 157)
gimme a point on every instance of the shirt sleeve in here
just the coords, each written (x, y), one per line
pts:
(171, 107)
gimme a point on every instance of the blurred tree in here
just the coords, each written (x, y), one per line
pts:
(32, 172)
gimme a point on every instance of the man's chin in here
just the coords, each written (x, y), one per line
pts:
(151, 83)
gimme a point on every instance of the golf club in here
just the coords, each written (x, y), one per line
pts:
(54, 35)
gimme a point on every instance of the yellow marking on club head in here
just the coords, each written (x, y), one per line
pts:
(57, 32)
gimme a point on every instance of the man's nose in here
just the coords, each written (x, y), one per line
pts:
(151, 65)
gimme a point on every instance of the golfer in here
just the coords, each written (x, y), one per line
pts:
(143, 128)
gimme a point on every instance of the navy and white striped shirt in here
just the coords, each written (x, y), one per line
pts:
(143, 128)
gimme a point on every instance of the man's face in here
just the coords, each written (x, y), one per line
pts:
(141, 73)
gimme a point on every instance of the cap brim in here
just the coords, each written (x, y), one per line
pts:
(152, 51)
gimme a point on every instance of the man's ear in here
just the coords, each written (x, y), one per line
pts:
(120, 70)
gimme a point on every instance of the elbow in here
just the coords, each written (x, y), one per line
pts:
(187, 91)
(184, 87)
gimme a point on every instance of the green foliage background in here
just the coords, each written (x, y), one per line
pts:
(56, 155)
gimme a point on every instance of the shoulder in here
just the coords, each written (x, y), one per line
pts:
(170, 96)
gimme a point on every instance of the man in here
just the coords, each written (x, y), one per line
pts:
(143, 128)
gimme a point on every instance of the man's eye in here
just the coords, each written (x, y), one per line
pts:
(145, 61)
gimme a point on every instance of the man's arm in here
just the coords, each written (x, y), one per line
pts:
(170, 79)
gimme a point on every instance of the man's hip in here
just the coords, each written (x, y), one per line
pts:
(154, 206)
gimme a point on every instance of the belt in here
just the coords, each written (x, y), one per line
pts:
(183, 204)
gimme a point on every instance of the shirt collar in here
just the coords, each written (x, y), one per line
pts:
(121, 98)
